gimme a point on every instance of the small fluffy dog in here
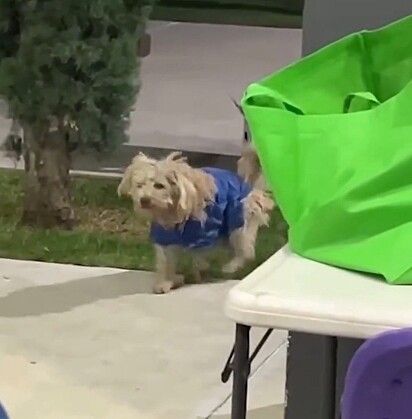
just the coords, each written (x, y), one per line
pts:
(194, 209)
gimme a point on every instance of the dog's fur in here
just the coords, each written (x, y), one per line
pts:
(172, 192)
(249, 168)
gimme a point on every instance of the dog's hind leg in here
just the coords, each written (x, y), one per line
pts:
(199, 266)
(242, 242)
(166, 270)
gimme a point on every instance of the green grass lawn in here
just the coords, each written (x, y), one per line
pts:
(108, 232)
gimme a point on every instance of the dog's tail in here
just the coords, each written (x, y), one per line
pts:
(258, 206)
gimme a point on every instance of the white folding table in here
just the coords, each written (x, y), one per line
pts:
(328, 312)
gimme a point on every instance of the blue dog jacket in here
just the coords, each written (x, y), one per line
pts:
(3, 414)
(223, 216)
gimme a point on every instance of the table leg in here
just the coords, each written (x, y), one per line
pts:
(311, 375)
(346, 348)
(240, 372)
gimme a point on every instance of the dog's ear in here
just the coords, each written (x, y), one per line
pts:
(176, 156)
(185, 189)
(125, 185)
(142, 158)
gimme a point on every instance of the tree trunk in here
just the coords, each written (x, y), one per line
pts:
(47, 198)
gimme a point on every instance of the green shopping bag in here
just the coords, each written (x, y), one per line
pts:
(334, 135)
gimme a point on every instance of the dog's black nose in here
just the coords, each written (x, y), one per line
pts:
(145, 202)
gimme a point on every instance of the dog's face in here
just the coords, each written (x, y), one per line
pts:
(155, 189)
(168, 189)
(149, 187)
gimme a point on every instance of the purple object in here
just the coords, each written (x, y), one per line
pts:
(378, 384)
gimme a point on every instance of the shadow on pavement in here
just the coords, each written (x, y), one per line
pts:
(59, 298)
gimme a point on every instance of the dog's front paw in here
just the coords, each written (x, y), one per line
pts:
(230, 268)
(163, 287)
(199, 269)
(233, 266)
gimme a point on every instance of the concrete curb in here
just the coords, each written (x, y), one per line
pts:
(74, 173)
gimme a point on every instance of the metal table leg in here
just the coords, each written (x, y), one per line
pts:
(311, 372)
(316, 371)
(239, 363)
(317, 368)
(240, 372)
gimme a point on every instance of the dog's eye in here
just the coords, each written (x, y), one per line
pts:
(139, 185)
(159, 186)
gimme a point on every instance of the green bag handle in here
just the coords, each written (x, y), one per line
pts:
(367, 97)
(259, 95)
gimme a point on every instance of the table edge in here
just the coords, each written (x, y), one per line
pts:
(241, 308)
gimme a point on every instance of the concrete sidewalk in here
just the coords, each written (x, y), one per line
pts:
(95, 343)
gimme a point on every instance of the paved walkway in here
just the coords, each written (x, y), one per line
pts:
(92, 343)
(191, 75)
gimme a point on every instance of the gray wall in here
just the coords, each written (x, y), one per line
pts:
(325, 21)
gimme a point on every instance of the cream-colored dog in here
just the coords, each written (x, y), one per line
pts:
(182, 201)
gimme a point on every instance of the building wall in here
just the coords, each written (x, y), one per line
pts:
(271, 13)
(325, 21)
